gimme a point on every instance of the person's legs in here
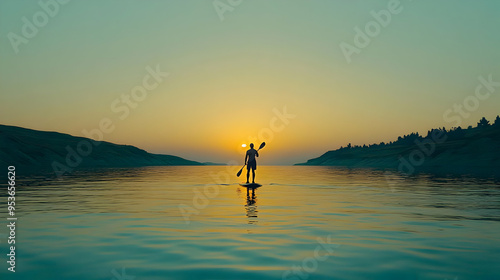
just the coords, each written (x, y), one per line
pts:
(253, 175)
(248, 174)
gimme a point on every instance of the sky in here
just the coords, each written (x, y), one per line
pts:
(198, 79)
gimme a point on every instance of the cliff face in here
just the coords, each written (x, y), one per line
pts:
(40, 150)
(474, 150)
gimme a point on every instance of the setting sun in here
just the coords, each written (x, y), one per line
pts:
(243, 145)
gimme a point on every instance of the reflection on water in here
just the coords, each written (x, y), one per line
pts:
(178, 223)
(251, 206)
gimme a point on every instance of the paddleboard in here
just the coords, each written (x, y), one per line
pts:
(251, 185)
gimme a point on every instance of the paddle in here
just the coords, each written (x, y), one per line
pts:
(261, 146)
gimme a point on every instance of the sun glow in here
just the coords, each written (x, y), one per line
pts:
(243, 145)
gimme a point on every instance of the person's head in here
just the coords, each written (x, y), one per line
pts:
(251, 145)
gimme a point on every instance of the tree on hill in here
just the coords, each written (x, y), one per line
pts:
(435, 131)
(456, 133)
(483, 122)
(408, 139)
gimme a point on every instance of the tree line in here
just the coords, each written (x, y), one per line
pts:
(455, 133)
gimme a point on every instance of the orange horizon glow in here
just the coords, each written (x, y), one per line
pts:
(227, 80)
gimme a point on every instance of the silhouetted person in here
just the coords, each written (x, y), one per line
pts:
(251, 162)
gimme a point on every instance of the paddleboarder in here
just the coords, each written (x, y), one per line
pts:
(251, 162)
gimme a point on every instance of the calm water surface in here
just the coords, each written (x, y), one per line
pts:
(304, 223)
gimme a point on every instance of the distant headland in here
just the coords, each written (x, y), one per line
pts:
(33, 151)
(474, 150)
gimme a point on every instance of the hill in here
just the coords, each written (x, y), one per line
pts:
(34, 150)
(472, 150)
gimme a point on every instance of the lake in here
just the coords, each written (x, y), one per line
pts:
(305, 222)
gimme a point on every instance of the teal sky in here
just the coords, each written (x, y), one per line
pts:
(226, 76)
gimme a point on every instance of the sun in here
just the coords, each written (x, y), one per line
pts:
(243, 145)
